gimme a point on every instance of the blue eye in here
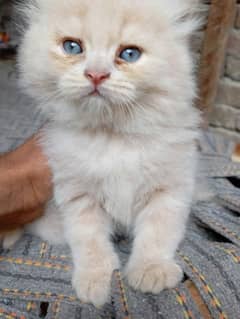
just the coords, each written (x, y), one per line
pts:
(130, 55)
(72, 47)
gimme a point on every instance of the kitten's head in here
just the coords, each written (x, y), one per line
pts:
(101, 60)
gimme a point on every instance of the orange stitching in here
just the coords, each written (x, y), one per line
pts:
(9, 315)
(43, 249)
(56, 309)
(31, 306)
(123, 295)
(225, 229)
(20, 261)
(214, 301)
(181, 299)
(26, 293)
(231, 252)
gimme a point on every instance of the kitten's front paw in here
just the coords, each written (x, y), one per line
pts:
(93, 284)
(154, 277)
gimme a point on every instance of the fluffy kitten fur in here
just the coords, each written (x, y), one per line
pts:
(127, 157)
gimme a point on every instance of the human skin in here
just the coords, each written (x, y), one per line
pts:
(25, 185)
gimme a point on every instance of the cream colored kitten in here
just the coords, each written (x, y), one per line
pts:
(115, 79)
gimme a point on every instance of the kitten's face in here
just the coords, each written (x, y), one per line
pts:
(98, 54)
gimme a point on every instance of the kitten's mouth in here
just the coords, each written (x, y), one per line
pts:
(95, 92)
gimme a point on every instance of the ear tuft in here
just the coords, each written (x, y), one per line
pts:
(188, 17)
(26, 11)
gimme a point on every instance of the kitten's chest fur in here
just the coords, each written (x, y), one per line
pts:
(118, 173)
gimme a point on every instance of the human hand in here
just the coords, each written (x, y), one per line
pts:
(25, 185)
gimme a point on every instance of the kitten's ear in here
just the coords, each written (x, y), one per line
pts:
(192, 4)
(26, 11)
(187, 18)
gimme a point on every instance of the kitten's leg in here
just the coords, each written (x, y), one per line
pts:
(88, 230)
(49, 227)
(158, 231)
(10, 238)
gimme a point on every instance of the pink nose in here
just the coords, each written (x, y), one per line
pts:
(97, 77)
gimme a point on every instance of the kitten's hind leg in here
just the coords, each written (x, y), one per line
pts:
(49, 226)
(10, 238)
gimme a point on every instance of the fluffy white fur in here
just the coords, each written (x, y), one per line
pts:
(126, 157)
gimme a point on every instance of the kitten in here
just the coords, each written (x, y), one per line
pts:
(115, 79)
